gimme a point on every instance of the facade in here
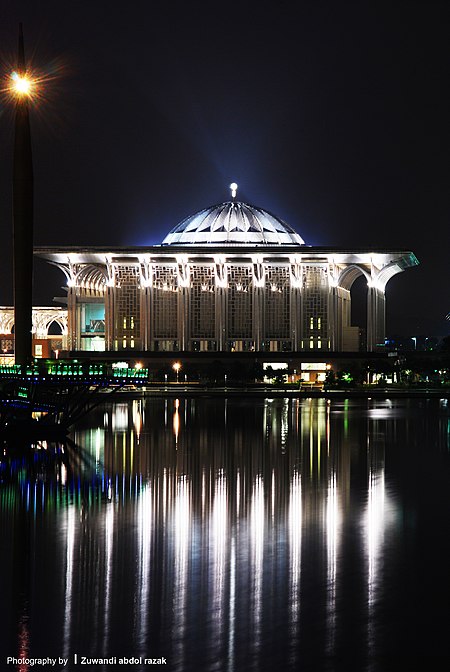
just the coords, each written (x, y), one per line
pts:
(232, 277)
(46, 341)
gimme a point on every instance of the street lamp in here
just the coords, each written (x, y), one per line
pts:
(21, 85)
(21, 88)
(176, 367)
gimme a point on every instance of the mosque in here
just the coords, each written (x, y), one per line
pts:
(230, 278)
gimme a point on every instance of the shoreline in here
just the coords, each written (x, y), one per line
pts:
(182, 390)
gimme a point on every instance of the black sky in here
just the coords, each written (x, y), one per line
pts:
(333, 115)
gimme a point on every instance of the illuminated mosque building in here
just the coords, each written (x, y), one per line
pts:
(230, 278)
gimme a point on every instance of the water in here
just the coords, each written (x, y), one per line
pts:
(232, 535)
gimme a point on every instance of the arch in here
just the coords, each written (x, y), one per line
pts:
(44, 317)
(62, 324)
(388, 272)
(91, 276)
(349, 274)
(65, 268)
(7, 321)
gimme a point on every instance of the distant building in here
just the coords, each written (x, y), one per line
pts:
(232, 277)
(49, 332)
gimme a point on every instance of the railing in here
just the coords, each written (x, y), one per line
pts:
(48, 371)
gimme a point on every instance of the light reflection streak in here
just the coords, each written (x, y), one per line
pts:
(164, 496)
(374, 524)
(232, 607)
(327, 426)
(99, 445)
(131, 454)
(203, 492)
(257, 552)
(295, 544)
(120, 417)
(182, 526)
(68, 586)
(273, 495)
(176, 421)
(219, 547)
(109, 543)
(136, 414)
(333, 528)
(284, 431)
(377, 518)
(145, 519)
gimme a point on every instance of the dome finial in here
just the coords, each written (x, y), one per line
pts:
(233, 187)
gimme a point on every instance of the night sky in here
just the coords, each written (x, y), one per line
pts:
(335, 116)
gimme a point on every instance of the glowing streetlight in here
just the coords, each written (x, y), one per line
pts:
(22, 211)
(21, 85)
(176, 367)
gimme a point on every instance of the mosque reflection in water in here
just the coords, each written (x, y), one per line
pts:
(221, 534)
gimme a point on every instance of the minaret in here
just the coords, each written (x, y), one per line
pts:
(22, 216)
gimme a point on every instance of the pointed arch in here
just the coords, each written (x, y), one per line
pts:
(349, 274)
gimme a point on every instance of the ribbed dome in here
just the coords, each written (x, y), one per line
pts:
(233, 223)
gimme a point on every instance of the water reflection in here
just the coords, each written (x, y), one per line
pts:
(220, 534)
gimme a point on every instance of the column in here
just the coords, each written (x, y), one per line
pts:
(375, 317)
(145, 280)
(296, 316)
(334, 333)
(183, 279)
(72, 326)
(296, 304)
(220, 326)
(258, 316)
(258, 329)
(220, 291)
(109, 318)
(145, 317)
(183, 318)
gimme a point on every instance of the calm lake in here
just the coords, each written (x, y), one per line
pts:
(231, 535)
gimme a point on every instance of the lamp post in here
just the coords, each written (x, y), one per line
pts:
(22, 90)
(176, 367)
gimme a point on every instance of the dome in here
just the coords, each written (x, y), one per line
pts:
(233, 223)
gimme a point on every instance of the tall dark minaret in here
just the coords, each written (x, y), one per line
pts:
(22, 220)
